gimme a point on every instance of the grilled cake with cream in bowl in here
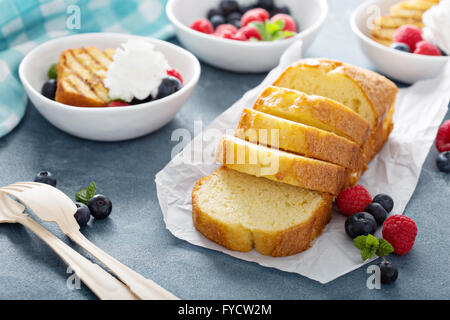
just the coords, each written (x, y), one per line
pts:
(105, 123)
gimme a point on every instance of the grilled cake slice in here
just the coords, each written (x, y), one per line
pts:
(241, 212)
(81, 75)
(262, 128)
(281, 166)
(315, 111)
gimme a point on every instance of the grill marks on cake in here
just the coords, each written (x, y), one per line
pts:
(86, 70)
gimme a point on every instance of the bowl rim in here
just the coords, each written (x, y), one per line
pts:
(186, 87)
(358, 11)
(323, 5)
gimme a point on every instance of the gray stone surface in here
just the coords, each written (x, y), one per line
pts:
(135, 233)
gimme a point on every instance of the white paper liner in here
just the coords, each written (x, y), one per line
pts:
(395, 171)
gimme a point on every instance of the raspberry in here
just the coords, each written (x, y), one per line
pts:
(352, 200)
(226, 34)
(118, 103)
(400, 232)
(202, 25)
(289, 23)
(427, 48)
(248, 32)
(176, 74)
(226, 27)
(254, 15)
(409, 35)
(443, 137)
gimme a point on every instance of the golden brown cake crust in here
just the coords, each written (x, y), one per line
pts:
(334, 116)
(278, 166)
(257, 127)
(277, 244)
(81, 74)
(380, 91)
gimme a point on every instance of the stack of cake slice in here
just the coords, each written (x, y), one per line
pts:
(307, 137)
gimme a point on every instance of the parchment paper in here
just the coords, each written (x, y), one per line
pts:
(395, 171)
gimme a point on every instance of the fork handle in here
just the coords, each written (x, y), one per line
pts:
(104, 285)
(143, 288)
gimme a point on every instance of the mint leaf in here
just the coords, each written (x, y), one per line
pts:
(261, 27)
(368, 245)
(53, 71)
(360, 242)
(85, 194)
(384, 248)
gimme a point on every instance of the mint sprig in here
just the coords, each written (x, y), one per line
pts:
(271, 31)
(370, 245)
(53, 71)
(85, 194)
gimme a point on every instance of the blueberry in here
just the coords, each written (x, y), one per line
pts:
(168, 86)
(217, 21)
(442, 52)
(400, 46)
(245, 8)
(228, 6)
(443, 161)
(377, 211)
(214, 12)
(360, 224)
(236, 23)
(49, 89)
(137, 101)
(45, 177)
(100, 206)
(385, 200)
(234, 16)
(388, 272)
(83, 215)
(265, 4)
(277, 10)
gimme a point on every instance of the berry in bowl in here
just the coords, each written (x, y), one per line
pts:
(245, 35)
(392, 33)
(108, 87)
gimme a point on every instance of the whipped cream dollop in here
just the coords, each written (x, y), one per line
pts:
(437, 25)
(136, 71)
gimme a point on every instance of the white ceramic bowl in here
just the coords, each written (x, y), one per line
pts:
(239, 56)
(111, 123)
(401, 66)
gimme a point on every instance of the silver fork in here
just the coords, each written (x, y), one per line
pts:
(52, 205)
(104, 285)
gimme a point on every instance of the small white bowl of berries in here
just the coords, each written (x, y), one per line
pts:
(245, 36)
(409, 57)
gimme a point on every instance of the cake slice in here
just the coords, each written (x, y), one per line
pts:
(242, 212)
(263, 128)
(365, 92)
(81, 75)
(319, 112)
(277, 165)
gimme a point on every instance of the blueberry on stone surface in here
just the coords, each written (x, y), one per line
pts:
(100, 206)
(360, 224)
(388, 272)
(168, 86)
(385, 200)
(45, 177)
(83, 214)
(443, 161)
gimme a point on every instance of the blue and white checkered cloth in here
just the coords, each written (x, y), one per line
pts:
(26, 23)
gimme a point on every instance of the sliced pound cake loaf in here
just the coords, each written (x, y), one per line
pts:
(242, 212)
(263, 128)
(277, 165)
